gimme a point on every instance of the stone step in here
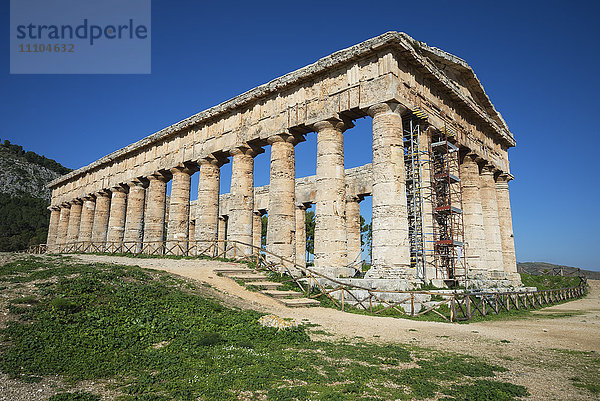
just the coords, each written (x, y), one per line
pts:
(233, 270)
(264, 285)
(283, 294)
(300, 302)
(246, 276)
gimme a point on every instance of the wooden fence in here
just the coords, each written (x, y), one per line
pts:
(448, 305)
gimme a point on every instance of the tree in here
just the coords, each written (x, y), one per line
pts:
(264, 220)
(24, 221)
(310, 232)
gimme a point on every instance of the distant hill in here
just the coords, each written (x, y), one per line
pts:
(24, 198)
(546, 268)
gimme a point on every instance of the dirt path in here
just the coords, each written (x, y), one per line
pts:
(528, 347)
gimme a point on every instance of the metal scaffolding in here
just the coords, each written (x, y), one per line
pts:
(449, 251)
(413, 162)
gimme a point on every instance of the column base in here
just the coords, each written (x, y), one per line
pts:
(391, 273)
(335, 272)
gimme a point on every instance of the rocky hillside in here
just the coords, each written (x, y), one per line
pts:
(536, 268)
(24, 198)
(26, 173)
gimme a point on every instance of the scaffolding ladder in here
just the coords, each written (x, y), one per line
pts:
(449, 251)
(414, 190)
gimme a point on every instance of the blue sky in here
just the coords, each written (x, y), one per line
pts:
(538, 62)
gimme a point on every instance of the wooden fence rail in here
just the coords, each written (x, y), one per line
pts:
(450, 306)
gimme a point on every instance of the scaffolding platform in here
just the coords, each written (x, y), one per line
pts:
(444, 146)
(447, 209)
(447, 176)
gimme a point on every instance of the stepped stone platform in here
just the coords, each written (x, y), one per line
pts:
(291, 299)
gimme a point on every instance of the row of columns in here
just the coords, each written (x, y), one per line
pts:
(135, 212)
(487, 219)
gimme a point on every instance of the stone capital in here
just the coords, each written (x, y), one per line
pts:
(488, 169)
(138, 182)
(65, 205)
(90, 197)
(386, 108)
(471, 156)
(302, 206)
(246, 149)
(187, 168)
(76, 201)
(504, 177)
(354, 198)
(333, 123)
(215, 160)
(103, 193)
(160, 176)
(123, 188)
(284, 137)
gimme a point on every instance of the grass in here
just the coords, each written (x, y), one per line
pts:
(159, 338)
(544, 282)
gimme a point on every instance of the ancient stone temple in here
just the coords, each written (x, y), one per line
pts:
(438, 180)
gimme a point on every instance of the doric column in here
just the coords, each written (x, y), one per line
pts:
(63, 226)
(473, 216)
(353, 232)
(207, 206)
(100, 226)
(221, 235)
(53, 229)
(491, 223)
(239, 227)
(179, 209)
(281, 229)
(116, 219)
(134, 221)
(391, 248)
(330, 205)
(257, 230)
(506, 230)
(74, 220)
(427, 197)
(87, 221)
(154, 219)
(301, 235)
